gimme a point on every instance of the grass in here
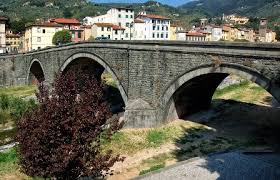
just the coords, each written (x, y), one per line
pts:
(246, 91)
(131, 141)
(8, 162)
(153, 168)
(18, 91)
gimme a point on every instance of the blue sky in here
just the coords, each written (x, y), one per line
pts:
(169, 2)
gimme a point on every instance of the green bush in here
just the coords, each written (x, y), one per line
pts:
(4, 117)
(4, 102)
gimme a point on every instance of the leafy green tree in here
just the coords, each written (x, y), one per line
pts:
(61, 37)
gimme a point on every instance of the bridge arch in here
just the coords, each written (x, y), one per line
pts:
(193, 90)
(101, 62)
(35, 73)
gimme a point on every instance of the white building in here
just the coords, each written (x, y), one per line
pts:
(157, 27)
(122, 17)
(3, 34)
(108, 30)
(215, 31)
(139, 30)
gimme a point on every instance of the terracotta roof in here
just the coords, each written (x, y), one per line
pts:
(12, 36)
(104, 24)
(154, 16)
(65, 21)
(139, 21)
(86, 26)
(195, 34)
(116, 27)
(45, 24)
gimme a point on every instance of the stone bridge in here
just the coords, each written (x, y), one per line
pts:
(158, 80)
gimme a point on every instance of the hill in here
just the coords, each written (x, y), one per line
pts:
(252, 8)
(21, 12)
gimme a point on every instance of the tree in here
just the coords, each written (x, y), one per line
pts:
(62, 137)
(61, 37)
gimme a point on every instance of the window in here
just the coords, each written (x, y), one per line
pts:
(108, 29)
(38, 30)
(38, 39)
(166, 36)
(158, 21)
(162, 28)
(120, 15)
(44, 31)
(102, 35)
(158, 28)
(127, 10)
(102, 28)
(116, 38)
(161, 35)
(153, 35)
(79, 35)
(73, 35)
(131, 16)
(157, 35)
(120, 24)
(109, 36)
(127, 24)
(116, 31)
(126, 16)
(153, 21)
(123, 32)
(166, 28)
(126, 35)
(154, 27)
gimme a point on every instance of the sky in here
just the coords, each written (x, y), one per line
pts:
(169, 2)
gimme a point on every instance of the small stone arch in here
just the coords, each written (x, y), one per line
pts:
(102, 63)
(36, 69)
(224, 70)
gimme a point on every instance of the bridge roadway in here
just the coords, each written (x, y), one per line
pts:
(158, 80)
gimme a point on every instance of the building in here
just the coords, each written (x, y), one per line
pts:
(122, 17)
(226, 33)
(73, 25)
(195, 36)
(139, 29)
(235, 19)
(14, 42)
(175, 31)
(215, 31)
(38, 36)
(3, 34)
(157, 27)
(87, 31)
(108, 30)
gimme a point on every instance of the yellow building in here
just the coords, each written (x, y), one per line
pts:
(226, 33)
(38, 36)
(173, 31)
(87, 31)
(13, 42)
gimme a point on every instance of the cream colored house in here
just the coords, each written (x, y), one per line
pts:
(235, 19)
(108, 30)
(39, 36)
(3, 34)
(139, 30)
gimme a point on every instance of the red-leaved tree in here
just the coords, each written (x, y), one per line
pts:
(61, 138)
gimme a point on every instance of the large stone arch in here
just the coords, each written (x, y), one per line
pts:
(211, 74)
(100, 61)
(35, 69)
